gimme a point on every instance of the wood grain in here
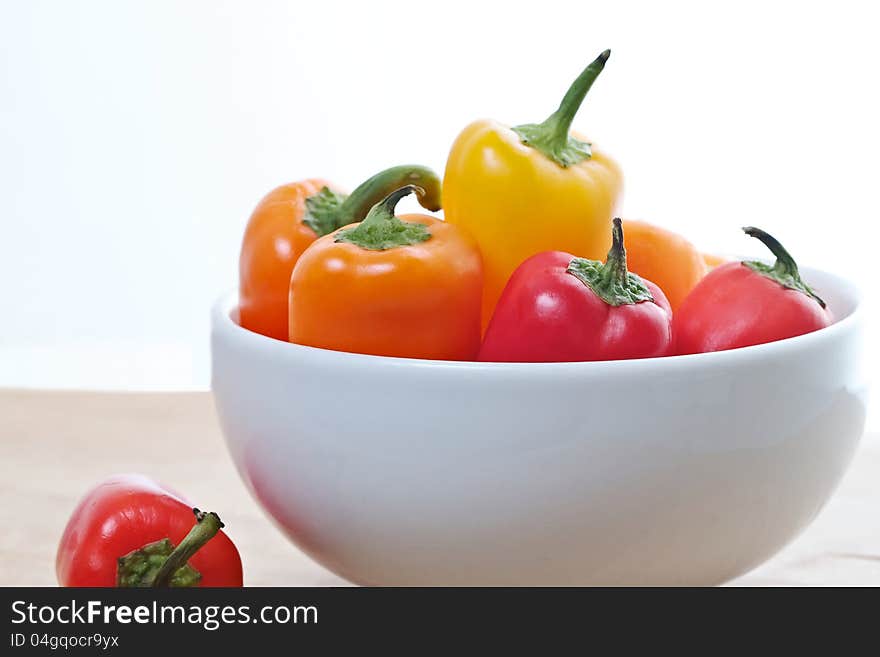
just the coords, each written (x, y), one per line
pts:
(55, 445)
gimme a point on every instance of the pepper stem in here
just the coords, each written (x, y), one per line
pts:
(785, 264)
(560, 121)
(611, 281)
(388, 182)
(383, 211)
(381, 230)
(785, 270)
(327, 211)
(552, 136)
(206, 527)
(614, 270)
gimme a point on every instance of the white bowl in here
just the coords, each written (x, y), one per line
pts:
(684, 470)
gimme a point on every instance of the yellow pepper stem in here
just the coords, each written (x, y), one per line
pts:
(552, 137)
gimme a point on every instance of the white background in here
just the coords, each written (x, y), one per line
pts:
(135, 138)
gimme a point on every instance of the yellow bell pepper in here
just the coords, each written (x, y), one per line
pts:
(532, 188)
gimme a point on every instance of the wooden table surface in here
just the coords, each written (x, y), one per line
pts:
(55, 445)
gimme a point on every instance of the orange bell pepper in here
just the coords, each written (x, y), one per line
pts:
(406, 286)
(664, 257)
(288, 219)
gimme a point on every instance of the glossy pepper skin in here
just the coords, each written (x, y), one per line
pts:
(531, 188)
(288, 219)
(739, 304)
(404, 286)
(664, 257)
(559, 308)
(127, 513)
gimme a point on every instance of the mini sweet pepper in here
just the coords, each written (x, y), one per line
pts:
(558, 307)
(131, 532)
(532, 188)
(405, 286)
(665, 258)
(288, 219)
(744, 303)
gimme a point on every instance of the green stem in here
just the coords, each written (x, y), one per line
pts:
(327, 211)
(378, 187)
(383, 211)
(611, 281)
(552, 137)
(206, 527)
(785, 270)
(785, 264)
(559, 123)
(381, 230)
(614, 270)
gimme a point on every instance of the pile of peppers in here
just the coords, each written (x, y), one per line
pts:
(531, 264)
(531, 261)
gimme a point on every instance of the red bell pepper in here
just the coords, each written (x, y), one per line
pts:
(124, 533)
(747, 303)
(557, 307)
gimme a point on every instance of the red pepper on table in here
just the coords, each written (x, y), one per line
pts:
(557, 307)
(739, 304)
(130, 531)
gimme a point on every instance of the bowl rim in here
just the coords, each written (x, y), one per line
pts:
(226, 306)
